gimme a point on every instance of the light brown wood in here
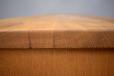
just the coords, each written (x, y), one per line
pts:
(57, 22)
(79, 39)
(41, 39)
(58, 31)
(14, 40)
(57, 62)
(21, 40)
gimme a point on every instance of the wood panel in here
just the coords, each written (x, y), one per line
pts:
(14, 39)
(58, 31)
(41, 39)
(57, 62)
(80, 39)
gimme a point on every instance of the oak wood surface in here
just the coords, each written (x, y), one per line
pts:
(57, 31)
(57, 62)
(64, 40)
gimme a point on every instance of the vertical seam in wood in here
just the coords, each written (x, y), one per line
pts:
(53, 39)
(29, 40)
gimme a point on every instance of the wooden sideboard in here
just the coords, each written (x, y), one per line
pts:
(57, 45)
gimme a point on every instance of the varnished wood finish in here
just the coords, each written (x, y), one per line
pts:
(57, 45)
(79, 39)
(42, 39)
(14, 40)
(57, 62)
(58, 31)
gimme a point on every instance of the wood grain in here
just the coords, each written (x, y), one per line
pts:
(57, 62)
(70, 46)
(60, 31)
(79, 39)
(41, 39)
(14, 40)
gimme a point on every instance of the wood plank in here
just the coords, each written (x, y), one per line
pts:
(41, 39)
(63, 31)
(86, 39)
(14, 40)
(57, 62)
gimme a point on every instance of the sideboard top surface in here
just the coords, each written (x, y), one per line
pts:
(57, 31)
(57, 23)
